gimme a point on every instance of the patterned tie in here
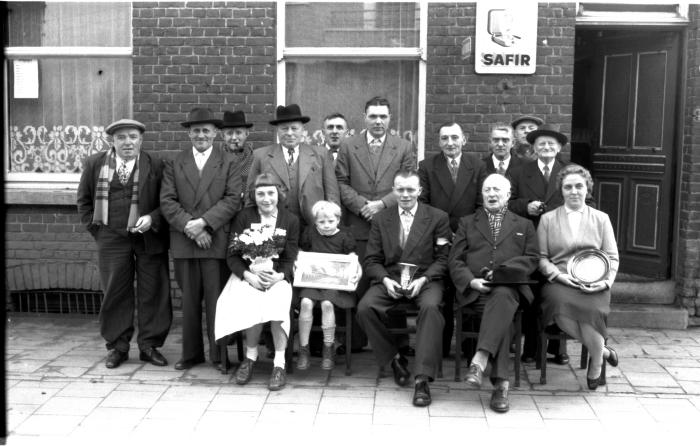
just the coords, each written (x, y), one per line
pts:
(375, 145)
(501, 168)
(545, 171)
(454, 169)
(123, 173)
(291, 156)
(406, 221)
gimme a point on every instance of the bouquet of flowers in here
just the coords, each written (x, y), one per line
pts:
(259, 244)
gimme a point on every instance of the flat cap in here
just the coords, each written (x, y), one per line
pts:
(123, 123)
(522, 118)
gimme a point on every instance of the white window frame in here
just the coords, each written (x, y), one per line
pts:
(285, 54)
(50, 181)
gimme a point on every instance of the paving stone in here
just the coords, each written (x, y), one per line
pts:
(515, 419)
(690, 387)
(69, 405)
(346, 405)
(49, 425)
(402, 415)
(645, 365)
(237, 403)
(651, 379)
(17, 413)
(130, 399)
(190, 393)
(339, 422)
(179, 410)
(113, 420)
(300, 415)
(219, 424)
(473, 409)
(24, 366)
(296, 395)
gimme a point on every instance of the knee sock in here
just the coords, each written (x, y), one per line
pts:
(279, 360)
(481, 358)
(328, 322)
(251, 353)
(306, 319)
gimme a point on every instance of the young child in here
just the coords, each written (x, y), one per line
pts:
(324, 237)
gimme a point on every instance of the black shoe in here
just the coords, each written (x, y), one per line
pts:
(593, 382)
(184, 364)
(561, 359)
(153, 356)
(401, 373)
(474, 376)
(245, 371)
(499, 399)
(527, 359)
(421, 394)
(115, 358)
(278, 379)
(223, 368)
(612, 358)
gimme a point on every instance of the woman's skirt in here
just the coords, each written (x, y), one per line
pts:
(241, 306)
(587, 308)
(341, 299)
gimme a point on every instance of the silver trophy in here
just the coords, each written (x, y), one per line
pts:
(407, 272)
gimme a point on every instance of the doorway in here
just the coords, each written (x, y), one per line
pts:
(623, 131)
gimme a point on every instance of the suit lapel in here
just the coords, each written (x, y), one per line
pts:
(552, 185)
(507, 226)
(360, 151)
(279, 163)
(208, 173)
(306, 157)
(388, 155)
(535, 181)
(444, 176)
(481, 221)
(464, 178)
(189, 168)
(418, 229)
(144, 172)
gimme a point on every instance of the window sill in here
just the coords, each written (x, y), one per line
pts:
(40, 196)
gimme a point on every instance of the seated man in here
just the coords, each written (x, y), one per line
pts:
(493, 240)
(413, 233)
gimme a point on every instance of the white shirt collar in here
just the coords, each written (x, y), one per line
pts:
(129, 163)
(371, 138)
(541, 165)
(569, 210)
(457, 158)
(206, 153)
(412, 210)
(506, 162)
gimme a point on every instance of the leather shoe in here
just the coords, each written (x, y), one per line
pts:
(592, 382)
(474, 376)
(561, 359)
(499, 399)
(527, 359)
(245, 371)
(115, 358)
(153, 356)
(401, 373)
(184, 364)
(612, 358)
(278, 379)
(421, 394)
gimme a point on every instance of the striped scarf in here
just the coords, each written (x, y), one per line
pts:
(101, 214)
(495, 220)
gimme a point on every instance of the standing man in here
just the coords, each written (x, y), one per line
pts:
(490, 241)
(499, 159)
(305, 172)
(522, 126)
(118, 202)
(335, 126)
(201, 192)
(235, 130)
(416, 233)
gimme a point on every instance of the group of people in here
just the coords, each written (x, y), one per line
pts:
(476, 229)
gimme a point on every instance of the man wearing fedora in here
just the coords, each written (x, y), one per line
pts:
(522, 125)
(235, 131)
(305, 172)
(118, 202)
(200, 194)
(488, 242)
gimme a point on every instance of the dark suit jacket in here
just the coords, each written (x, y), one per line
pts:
(474, 249)
(216, 197)
(285, 220)
(427, 244)
(527, 184)
(358, 183)
(439, 191)
(150, 175)
(491, 168)
(316, 175)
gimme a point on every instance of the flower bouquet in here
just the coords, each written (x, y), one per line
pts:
(259, 244)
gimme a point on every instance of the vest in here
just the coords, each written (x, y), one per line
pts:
(119, 203)
(293, 192)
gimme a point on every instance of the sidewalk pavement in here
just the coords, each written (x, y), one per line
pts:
(59, 391)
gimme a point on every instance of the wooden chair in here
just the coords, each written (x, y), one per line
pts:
(553, 332)
(473, 333)
(409, 309)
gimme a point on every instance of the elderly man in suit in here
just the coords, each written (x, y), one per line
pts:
(235, 131)
(499, 158)
(414, 233)
(490, 240)
(522, 126)
(118, 202)
(305, 172)
(200, 194)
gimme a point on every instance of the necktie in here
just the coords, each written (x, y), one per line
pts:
(123, 173)
(453, 170)
(406, 220)
(291, 156)
(501, 168)
(545, 171)
(375, 145)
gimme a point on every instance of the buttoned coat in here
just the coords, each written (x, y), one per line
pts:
(215, 196)
(427, 244)
(457, 199)
(528, 184)
(359, 184)
(474, 249)
(316, 176)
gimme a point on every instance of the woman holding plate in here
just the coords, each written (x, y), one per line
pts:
(578, 256)
(255, 295)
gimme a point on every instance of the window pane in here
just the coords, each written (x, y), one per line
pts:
(69, 24)
(77, 98)
(392, 25)
(324, 87)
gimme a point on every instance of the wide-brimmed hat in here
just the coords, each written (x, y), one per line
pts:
(234, 119)
(547, 130)
(124, 123)
(522, 118)
(289, 113)
(201, 116)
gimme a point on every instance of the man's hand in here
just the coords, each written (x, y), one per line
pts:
(534, 208)
(391, 287)
(478, 285)
(143, 224)
(203, 240)
(194, 227)
(416, 285)
(371, 208)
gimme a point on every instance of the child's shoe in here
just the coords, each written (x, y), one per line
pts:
(303, 357)
(328, 354)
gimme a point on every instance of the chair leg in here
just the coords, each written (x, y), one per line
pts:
(543, 357)
(239, 346)
(348, 340)
(584, 357)
(518, 346)
(458, 345)
(290, 344)
(223, 355)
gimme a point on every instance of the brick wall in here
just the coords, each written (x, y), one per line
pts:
(456, 93)
(219, 55)
(688, 268)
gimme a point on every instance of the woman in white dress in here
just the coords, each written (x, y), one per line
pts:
(252, 298)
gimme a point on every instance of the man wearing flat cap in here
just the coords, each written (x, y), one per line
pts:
(201, 192)
(305, 172)
(118, 202)
(235, 131)
(522, 126)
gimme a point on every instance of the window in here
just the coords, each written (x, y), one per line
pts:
(333, 57)
(69, 74)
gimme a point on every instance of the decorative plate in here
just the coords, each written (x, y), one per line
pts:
(589, 266)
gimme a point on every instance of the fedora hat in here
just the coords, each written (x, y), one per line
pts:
(234, 119)
(289, 113)
(547, 130)
(201, 116)
(124, 123)
(522, 118)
